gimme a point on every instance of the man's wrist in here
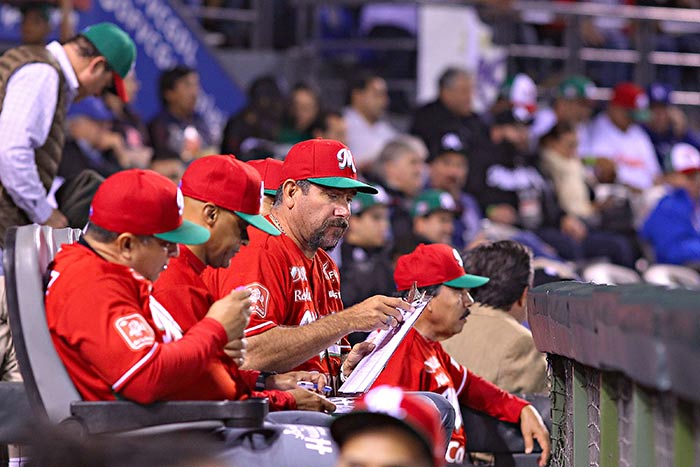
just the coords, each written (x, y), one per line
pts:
(261, 383)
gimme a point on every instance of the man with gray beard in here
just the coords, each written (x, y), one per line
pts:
(297, 319)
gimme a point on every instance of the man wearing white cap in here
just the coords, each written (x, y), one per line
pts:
(673, 227)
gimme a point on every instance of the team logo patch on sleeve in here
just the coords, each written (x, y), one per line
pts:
(135, 331)
(259, 298)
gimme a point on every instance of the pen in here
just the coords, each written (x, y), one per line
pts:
(312, 386)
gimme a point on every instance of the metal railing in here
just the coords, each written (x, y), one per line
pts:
(573, 53)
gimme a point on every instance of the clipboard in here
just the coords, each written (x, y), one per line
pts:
(386, 342)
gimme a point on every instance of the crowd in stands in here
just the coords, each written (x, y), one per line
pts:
(453, 201)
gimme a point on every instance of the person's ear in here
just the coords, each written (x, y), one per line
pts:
(290, 190)
(210, 214)
(522, 301)
(126, 244)
(97, 65)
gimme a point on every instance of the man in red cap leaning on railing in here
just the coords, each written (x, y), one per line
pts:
(114, 338)
(421, 364)
(297, 319)
(223, 195)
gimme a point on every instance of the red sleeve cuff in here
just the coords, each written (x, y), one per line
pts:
(215, 328)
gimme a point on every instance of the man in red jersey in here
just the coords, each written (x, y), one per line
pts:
(421, 364)
(223, 195)
(114, 338)
(297, 319)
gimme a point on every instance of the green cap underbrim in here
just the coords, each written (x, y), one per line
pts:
(344, 183)
(259, 222)
(270, 192)
(187, 234)
(467, 281)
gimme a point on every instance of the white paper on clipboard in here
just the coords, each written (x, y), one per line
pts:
(386, 341)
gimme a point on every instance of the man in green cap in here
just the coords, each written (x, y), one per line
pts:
(572, 103)
(37, 85)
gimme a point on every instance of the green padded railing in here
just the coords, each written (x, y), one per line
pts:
(625, 373)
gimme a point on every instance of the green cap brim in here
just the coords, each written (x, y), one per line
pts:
(344, 183)
(270, 192)
(641, 115)
(259, 222)
(187, 234)
(467, 281)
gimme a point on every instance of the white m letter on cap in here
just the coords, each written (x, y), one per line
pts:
(345, 160)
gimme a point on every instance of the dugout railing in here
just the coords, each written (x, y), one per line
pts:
(625, 373)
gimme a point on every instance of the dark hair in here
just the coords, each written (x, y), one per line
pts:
(86, 49)
(556, 132)
(359, 83)
(448, 76)
(509, 266)
(321, 122)
(100, 234)
(169, 78)
(304, 185)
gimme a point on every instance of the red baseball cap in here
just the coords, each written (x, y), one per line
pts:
(271, 171)
(324, 162)
(432, 265)
(143, 202)
(391, 406)
(230, 184)
(632, 97)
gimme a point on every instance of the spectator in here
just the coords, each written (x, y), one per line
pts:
(169, 166)
(368, 131)
(222, 195)
(400, 169)
(251, 133)
(672, 227)
(179, 131)
(128, 123)
(270, 170)
(134, 229)
(330, 125)
(560, 162)
(421, 364)
(91, 144)
(296, 285)
(495, 321)
(667, 124)
(451, 111)
(36, 22)
(434, 213)
(615, 135)
(365, 262)
(302, 111)
(572, 104)
(34, 109)
(448, 168)
(389, 427)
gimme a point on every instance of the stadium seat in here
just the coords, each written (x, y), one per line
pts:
(672, 275)
(51, 394)
(503, 440)
(610, 274)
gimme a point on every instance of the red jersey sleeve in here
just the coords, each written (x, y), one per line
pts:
(173, 365)
(482, 395)
(262, 272)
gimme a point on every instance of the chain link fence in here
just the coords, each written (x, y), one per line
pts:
(664, 410)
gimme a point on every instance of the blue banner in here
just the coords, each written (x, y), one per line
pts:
(163, 39)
